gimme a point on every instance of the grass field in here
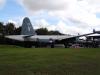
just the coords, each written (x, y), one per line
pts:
(49, 61)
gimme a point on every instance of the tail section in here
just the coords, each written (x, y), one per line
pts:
(27, 28)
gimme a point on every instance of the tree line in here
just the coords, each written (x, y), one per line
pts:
(10, 29)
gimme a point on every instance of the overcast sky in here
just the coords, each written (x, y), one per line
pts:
(67, 16)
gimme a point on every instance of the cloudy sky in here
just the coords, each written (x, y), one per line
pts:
(66, 16)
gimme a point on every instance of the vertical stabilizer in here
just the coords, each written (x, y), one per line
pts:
(27, 28)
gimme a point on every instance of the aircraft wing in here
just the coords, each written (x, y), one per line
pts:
(82, 35)
(26, 36)
(76, 36)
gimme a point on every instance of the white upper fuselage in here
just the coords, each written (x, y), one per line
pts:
(39, 37)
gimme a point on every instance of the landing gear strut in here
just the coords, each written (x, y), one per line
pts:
(52, 45)
(27, 44)
(66, 45)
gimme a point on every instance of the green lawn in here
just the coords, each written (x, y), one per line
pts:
(49, 61)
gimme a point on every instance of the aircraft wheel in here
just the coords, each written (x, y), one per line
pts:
(27, 45)
(52, 46)
(36, 46)
(65, 45)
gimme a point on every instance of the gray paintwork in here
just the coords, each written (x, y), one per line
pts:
(27, 28)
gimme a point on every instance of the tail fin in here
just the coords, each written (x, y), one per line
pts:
(27, 28)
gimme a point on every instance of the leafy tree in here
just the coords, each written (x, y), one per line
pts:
(1, 27)
(17, 31)
(42, 31)
(54, 33)
(9, 28)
